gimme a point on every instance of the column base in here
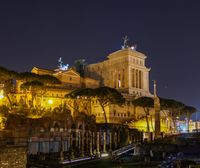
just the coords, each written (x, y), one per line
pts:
(61, 156)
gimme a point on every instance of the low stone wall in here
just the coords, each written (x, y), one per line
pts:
(13, 157)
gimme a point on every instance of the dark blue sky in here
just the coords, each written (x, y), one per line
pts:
(37, 33)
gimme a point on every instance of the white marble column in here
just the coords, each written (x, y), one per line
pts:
(135, 76)
(87, 141)
(90, 138)
(82, 143)
(98, 151)
(104, 141)
(93, 141)
(76, 137)
(139, 72)
(123, 79)
(79, 140)
(132, 78)
(110, 135)
(141, 79)
(115, 139)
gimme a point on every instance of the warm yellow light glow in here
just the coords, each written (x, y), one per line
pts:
(50, 101)
(1, 94)
(104, 155)
(2, 122)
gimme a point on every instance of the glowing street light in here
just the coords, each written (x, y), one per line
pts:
(50, 101)
(1, 94)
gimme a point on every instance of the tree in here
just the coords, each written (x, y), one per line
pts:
(174, 107)
(28, 76)
(36, 84)
(49, 79)
(3, 116)
(146, 103)
(106, 96)
(7, 78)
(80, 66)
(188, 111)
(80, 99)
(46, 79)
(34, 87)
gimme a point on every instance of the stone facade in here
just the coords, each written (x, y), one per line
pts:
(69, 78)
(124, 70)
(53, 96)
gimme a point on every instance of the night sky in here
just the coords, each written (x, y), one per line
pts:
(37, 33)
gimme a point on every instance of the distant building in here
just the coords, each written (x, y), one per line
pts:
(182, 126)
(69, 78)
(81, 121)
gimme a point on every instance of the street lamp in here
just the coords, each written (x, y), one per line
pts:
(1, 94)
(50, 101)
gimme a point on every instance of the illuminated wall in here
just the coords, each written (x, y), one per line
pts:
(124, 70)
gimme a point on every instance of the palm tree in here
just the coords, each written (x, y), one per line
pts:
(146, 103)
